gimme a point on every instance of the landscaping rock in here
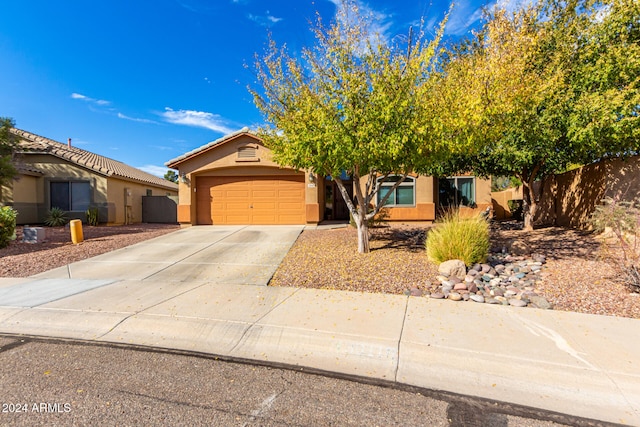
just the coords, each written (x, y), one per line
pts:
(453, 268)
(506, 278)
(455, 296)
(517, 303)
(540, 302)
(415, 292)
(477, 298)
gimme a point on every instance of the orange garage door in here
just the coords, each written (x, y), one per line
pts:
(251, 200)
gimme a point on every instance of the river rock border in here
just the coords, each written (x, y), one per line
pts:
(504, 279)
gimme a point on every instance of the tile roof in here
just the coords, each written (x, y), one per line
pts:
(174, 162)
(27, 169)
(31, 143)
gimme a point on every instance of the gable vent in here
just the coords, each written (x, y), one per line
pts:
(247, 153)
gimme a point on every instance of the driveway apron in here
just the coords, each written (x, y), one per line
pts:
(219, 254)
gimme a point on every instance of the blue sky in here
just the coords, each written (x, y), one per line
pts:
(145, 81)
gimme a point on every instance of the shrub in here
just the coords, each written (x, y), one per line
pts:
(457, 237)
(92, 216)
(623, 219)
(7, 225)
(55, 217)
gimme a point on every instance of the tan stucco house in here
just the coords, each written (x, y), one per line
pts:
(233, 180)
(53, 174)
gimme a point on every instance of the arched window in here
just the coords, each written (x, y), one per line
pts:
(403, 195)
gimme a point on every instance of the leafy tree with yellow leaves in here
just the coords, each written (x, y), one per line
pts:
(353, 103)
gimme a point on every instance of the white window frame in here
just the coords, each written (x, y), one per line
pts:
(409, 181)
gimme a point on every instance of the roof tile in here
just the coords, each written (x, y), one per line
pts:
(31, 143)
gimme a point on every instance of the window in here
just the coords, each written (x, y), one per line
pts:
(70, 195)
(149, 192)
(403, 195)
(457, 191)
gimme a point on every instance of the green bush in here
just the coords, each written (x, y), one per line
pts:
(55, 217)
(92, 216)
(456, 237)
(7, 225)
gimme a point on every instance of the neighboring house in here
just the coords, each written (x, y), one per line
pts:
(53, 174)
(233, 180)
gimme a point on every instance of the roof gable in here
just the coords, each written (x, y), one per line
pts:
(173, 163)
(31, 143)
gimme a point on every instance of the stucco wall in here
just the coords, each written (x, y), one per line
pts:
(125, 200)
(570, 198)
(500, 201)
(26, 197)
(223, 160)
(32, 200)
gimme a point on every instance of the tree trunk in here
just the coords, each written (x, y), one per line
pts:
(363, 232)
(530, 205)
(359, 213)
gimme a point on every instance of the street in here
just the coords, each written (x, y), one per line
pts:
(53, 382)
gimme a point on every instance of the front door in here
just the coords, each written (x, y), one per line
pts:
(340, 209)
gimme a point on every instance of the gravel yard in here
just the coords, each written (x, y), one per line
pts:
(576, 276)
(26, 259)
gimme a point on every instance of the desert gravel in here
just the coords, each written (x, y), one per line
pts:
(579, 275)
(26, 259)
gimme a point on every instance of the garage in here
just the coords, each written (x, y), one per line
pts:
(275, 199)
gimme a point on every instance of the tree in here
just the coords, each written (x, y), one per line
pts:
(606, 115)
(8, 146)
(171, 176)
(551, 84)
(353, 103)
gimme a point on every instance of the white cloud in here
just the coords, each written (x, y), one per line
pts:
(264, 20)
(513, 5)
(463, 16)
(201, 119)
(88, 99)
(380, 22)
(154, 170)
(133, 119)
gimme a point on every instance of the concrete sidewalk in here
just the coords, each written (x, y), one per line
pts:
(577, 364)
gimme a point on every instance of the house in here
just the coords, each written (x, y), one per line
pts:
(53, 174)
(234, 180)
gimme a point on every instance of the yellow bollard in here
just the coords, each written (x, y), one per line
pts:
(75, 225)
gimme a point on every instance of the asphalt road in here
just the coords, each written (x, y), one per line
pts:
(53, 382)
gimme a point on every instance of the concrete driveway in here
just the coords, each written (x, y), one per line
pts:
(247, 255)
(157, 269)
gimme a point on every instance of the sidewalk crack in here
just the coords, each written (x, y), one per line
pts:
(135, 313)
(404, 319)
(246, 331)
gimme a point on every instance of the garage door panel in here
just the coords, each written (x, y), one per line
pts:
(264, 219)
(290, 219)
(251, 200)
(288, 206)
(262, 206)
(264, 194)
(234, 219)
